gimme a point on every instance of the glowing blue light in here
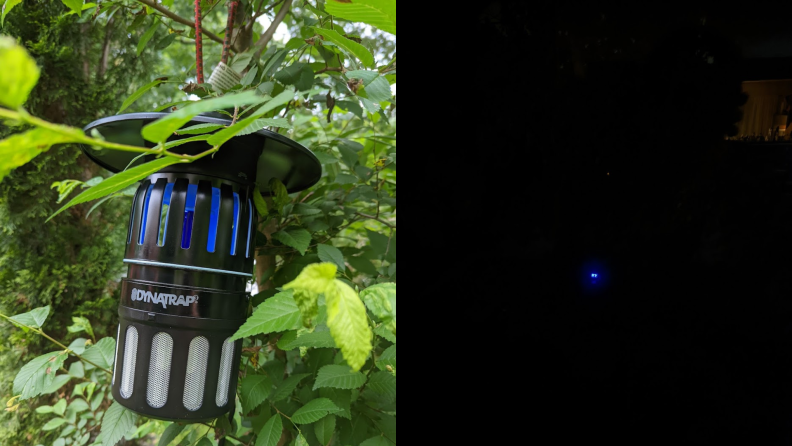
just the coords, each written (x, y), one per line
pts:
(593, 275)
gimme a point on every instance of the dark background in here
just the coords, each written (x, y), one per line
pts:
(604, 152)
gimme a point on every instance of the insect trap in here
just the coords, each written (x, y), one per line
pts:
(190, 249)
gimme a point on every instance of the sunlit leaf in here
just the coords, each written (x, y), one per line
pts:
(20, 148)
(278, 313)
(8, 5)
(380, 14)
(35, 376)
(349, 46)
(138, 93)
(116, 422)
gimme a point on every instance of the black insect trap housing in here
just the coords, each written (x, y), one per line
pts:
(190, 250)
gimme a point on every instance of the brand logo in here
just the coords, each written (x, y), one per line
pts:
(162, 298)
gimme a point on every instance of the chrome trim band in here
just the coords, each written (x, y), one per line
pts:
(188, 267)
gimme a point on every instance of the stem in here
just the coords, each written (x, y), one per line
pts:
(182, 20)
(67, 349)
(227, 435)
(373, 217)
(198, 44)
(232, 7)
(266, 36)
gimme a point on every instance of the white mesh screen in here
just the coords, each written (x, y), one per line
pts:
(226, 358)
(196, 373)
(159, 369)
(130, 358)
(115, 355)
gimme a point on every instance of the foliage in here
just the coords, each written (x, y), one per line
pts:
(319, 360)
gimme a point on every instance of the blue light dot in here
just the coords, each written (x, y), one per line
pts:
(594, 275)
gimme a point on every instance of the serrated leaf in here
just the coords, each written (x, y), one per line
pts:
(316, 339)
(20, 148)
(118, 181)
(379, 440)
(378, 90)
(339, 377)
(56, 384)
(280, 196)
(313, 280)
(260, 123)
(163, 128)
(116, 422)
(383, 383)
(53, 424)
(229, 132)
(138, 93)
(278, 313)
(35, 376)
(199, 129)
(387, 358)
(80, 324)
(271, 432)
(381, 300)
(260, 203)
(331, 254)
(348, 322)
(341, 397)
(297, 238)
(366, 75)
(314, 410)
(33, 318)
(147, 36)
(8, 5)
(380, 14)
(348, 46)
(273, 63)
(102, 353)
(287, 387)
(255, 389)
(171, 432)
(324, 429)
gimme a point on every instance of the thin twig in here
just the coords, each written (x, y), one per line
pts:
(166, 12)
(266, 36)
(373, 217)
(67, 349)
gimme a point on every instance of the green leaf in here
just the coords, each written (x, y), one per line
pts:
(20, 148)
(383, 383)
(297, 238)
(381, 300)
(119, 181)
(314, 410)
(75, 6)
(163, 128)
(287, 387)
(348, 46)
(385, 333)
(60, 407)
(274, 63)
(271, 432)
(18, 76)
(341, 397)
(138, 93)
(280, 196)
(379, 440)
(44, 409)
(316, 339)
(8, 5)
(339, 377)
(259, 124)
(331, 254)
(255, 389)
(53, 424)
(378, 90)
(33, 318)
(344, 178)
(278, 313)
(260, 203)
(165, 42)
(346, 317)
(77, 405)
(78, 345)
(324, 428)
(313, 280)
(116, 422)
(56, 384)
(298, 74)
(199, 129)
(377, 13)
(147, 36)
(387, 358)
(366, 75)
(102, 353)
(229, 132)
(171, 432)
(79, 324)
(77, 370)
(250, 76)
(35, 376)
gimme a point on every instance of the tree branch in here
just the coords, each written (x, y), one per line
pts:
(167, 13)
(266, 36)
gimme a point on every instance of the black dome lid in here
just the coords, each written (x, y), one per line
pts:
(253, 158)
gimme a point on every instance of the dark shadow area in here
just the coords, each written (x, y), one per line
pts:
(610, 132)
